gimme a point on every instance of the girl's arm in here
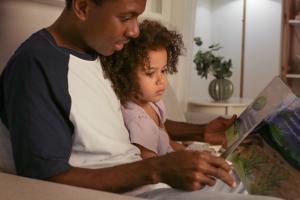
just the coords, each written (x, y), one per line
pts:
(145, 153)
(177, 146)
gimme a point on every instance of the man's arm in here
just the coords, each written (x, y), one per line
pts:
(213, 132)
(117, 179)
(182, 131)
(187, 170)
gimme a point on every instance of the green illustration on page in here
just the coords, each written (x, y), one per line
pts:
(264, 143)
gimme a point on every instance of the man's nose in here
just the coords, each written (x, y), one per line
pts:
(133, 29)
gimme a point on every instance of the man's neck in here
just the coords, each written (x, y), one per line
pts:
(65, 32)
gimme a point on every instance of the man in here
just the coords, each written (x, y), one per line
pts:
(65, 120)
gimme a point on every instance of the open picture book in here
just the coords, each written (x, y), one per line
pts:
(264, 143)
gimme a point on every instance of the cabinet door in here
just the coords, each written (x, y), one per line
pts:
(291, 45)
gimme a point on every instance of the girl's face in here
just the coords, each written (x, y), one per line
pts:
(153, 79)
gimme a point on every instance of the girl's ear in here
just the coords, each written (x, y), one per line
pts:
(81, 8)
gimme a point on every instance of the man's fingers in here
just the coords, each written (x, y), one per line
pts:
(222, 174)
(219, 162)
(225, 176)
(230, 121)
(206, 180)
(213, 170)
(224, 143)
(217, 167)
(220, 124)
(210, 161)
(233, 118)
(219, 173)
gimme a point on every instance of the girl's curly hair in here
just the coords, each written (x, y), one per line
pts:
(121, 67)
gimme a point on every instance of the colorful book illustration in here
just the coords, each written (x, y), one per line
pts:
(264, 143)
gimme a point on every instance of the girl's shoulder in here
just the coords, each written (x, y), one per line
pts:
(160, 109)
(132, 111)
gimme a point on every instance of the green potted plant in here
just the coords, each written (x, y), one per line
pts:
(220, 89)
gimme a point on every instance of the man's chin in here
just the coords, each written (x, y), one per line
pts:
(107, 53)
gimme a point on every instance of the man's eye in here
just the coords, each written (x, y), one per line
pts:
(124, 18)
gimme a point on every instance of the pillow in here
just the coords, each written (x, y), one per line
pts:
(6, 157)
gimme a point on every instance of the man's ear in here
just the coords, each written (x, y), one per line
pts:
(80, 8)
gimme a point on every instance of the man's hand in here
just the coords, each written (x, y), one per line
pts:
(215, 130)
(192, 170)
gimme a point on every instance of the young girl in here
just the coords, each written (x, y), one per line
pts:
(139, 77)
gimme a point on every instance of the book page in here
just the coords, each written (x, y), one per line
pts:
(264, 171)
(268, 160)
(265, 143)
(271, 98)
(285, 128)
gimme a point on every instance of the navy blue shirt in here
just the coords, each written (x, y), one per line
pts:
(35, 106)
(61, 111)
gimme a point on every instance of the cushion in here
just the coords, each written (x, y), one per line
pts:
(6, 158)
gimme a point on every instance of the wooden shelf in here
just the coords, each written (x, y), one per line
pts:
(290, 45)
(293, 76)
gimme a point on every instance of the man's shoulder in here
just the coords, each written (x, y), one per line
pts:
(39, 45)
(40, 52)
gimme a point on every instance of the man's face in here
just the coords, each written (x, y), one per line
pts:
(111, 24)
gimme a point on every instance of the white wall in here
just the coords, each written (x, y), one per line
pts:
(263, 38)
(263, 44)
(18, 20)
(227, 30)
(203, 28)
(218, 22)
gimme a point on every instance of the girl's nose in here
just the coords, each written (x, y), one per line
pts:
(161, 79)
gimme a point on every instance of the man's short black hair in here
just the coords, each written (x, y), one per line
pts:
(69, 3)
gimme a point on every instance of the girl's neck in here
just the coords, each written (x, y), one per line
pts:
(147, 107)
(141, 103)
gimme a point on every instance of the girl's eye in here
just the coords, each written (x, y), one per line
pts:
(150, 74)
(164, 71)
